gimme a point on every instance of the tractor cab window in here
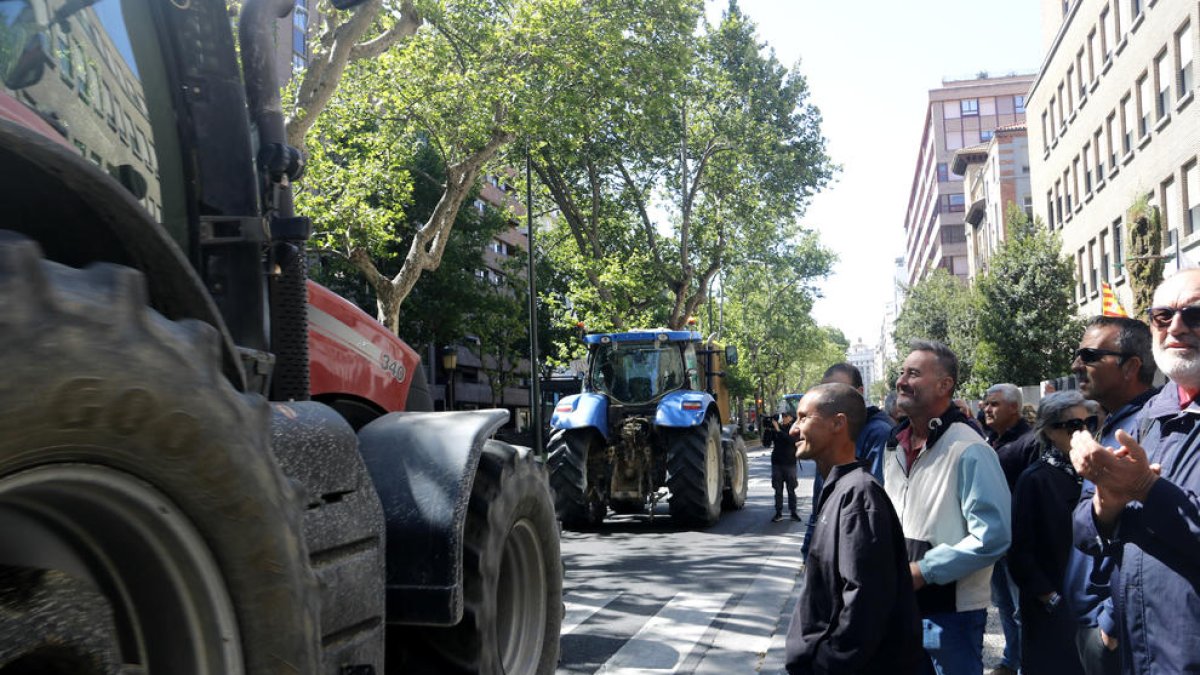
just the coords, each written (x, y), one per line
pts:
(637, 373)
(89, 75)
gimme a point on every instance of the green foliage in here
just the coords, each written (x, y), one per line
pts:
(701, 164)
(1027, 327)
(1145, 261)
(939, 307)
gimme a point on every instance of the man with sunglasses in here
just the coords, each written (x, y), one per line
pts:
(1140, 516)
(954, 505)
(1114, 368)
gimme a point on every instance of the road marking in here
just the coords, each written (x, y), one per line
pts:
(665, 641)
(580, 606)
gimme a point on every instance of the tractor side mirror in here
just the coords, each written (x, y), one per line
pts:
(24, 51)
(731, 357)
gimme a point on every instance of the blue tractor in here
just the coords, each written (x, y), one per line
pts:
(653, 419)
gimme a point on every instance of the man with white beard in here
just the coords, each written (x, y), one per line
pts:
(1141, 523)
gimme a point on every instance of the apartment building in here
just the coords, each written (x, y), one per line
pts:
(995, 175)
(1115, 120)
(961, 113)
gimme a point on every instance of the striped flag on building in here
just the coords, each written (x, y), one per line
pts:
(1109, 304)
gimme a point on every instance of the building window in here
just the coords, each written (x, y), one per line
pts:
(1045, 134)
(1097, 155)
(1144, 105)
(1050, 209)
(1183, 60)
(1087, 169)
(969, 107)
(1070, 93)
(985, 135)
(1113, 136)
(1170, 201)
(1075, 178)
(943, 173)
(1066, 183)
(300, 36)
(1083, 78)
(1127, 121)
(498, 247)
(953, 203)
(1091, 55)
(1093, 285)
(1053, 119)
(1162, 82)
(1105, 263)
(1191, 197)
(954, 234)
(1028, 207)
(1108, 39)
(1079, 275)
(1062, 106)
(1019, 104)
(1058, 202)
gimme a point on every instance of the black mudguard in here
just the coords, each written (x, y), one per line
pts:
(423, 466)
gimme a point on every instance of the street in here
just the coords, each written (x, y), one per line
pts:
(643, 597)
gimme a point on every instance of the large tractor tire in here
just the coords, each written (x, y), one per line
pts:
(147, 527)
(512, 579)
(567, 457)
(694, 474)
(737, 476)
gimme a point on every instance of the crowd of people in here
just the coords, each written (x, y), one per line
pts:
(1081, 526)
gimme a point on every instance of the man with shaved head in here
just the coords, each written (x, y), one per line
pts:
(857, 612)
(1141, 520)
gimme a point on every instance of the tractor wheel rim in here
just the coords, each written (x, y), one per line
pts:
(712, 469)
(171, 607)
(521, 596)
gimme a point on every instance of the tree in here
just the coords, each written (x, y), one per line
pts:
(466, 81)
(704, 165)
(939, 307)
(1027, 328)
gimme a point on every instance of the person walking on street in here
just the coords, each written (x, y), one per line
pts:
(1006, 431)
(1043, 503)
(856, 612)
(1115, 368)
(868, 446)
(1141, 521)
(954, 505)
(783, 463)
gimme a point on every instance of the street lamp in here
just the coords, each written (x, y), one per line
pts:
(450, 364)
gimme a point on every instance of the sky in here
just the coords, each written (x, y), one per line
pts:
(870, 65)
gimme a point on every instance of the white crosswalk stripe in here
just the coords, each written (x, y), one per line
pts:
(581, 605)
(665, 641)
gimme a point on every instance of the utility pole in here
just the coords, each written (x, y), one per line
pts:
(535, 371)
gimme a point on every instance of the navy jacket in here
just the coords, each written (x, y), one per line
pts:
(783, 447)
(1155, 548)
(856, 612)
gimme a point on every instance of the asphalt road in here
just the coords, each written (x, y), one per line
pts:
(643, 596)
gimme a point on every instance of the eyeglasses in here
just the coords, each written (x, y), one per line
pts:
(1161, 317)
(1092, 354)
(1077, 424)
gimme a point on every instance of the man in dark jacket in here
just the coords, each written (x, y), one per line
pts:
(1142, 517)
(857, 612)
(783, 463)
(1115, 367)
(868, 446)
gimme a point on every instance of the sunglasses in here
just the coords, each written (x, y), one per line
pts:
(1074, 425)
(1092, 354)
(1161, 317)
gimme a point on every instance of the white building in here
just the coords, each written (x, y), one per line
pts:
(862, 357)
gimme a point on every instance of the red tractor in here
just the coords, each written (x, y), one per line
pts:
(207, 463)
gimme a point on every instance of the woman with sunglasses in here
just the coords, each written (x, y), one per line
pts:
(1043, 502)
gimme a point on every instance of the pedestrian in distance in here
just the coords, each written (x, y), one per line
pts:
(954, 505)
(868, 446)
(1141, 520)
(856, 612)
(1043, 504)
(1115, 369)
(783, 463)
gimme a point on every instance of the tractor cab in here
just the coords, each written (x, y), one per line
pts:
(640, 368)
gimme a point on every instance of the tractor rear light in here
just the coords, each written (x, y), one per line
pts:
(564, 407)
(692, 405)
